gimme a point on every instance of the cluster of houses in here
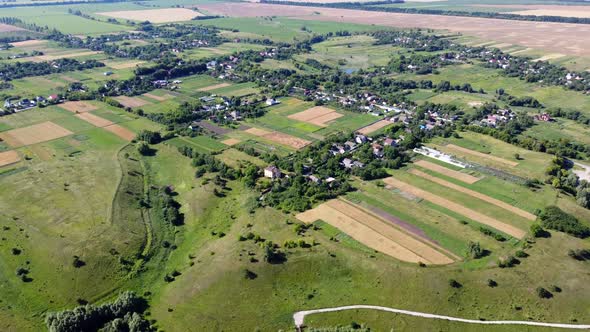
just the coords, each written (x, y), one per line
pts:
(166, 84)
(500, 116)
(15, 106)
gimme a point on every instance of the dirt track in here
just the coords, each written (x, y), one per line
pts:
(467, 212)
(555, 37)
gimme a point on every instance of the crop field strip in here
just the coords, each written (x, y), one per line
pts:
(455, 207)
(469, 179)
(77, 106)
(374, 127)
(278, 137)
(131, 101)
(9, 158)
(163, 15)
(38, 133)
(477, 154)
(318, 115)
(554, 37)
(374, 232)
(475, 194)
(214, 87)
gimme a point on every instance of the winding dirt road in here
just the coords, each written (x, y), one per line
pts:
(299, 317)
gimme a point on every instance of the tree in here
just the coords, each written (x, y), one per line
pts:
(543, 293)
(474, 250)
(143, 149)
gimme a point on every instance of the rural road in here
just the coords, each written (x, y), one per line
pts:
(299, 317)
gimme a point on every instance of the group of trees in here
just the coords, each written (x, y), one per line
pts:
(10, 71)
(555, 218)
(124, 314)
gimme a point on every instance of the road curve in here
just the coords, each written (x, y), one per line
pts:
(299, 317)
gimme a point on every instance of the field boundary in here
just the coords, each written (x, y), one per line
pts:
(481, 155)
(469, 179)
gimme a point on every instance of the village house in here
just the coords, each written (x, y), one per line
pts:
(272, 172)
(272, 101)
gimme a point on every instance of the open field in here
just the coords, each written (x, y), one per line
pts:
(94, 119)
(78, 106)
(120, 131)
(475, 194)
(469, 179)
(318, 116)
(231, 141)
(9, 28)
(213, 87)
(42, 58)
(8, 158)
(131, 101)
(279, 137)
(155, 15)
(123, 64)
(472, 214)
(29, 43)
(373, 232)
(374, 127)
(555, 37)
(543, 10)
(158, 98)
(38, 133)
(477, 154)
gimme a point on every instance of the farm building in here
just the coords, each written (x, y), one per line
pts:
(272, 172)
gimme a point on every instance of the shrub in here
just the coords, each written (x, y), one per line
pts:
(521, 254)
(492, 283)
(491, 233)
(509, 261)
(579, 254)
(554, 218)
(474, 250)
(454, 283)
(543, 293)
(538, 231)
(250, 275)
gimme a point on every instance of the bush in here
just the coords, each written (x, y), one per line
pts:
(521, 254)
(474, 250)
(492, 283)
(538, 231)
(497, 236)
(579, 254)
(543, 293)
(250, 275)
(454, 283)
(555, 218)
(509, 261)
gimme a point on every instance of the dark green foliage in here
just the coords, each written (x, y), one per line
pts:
(474, 250)
(151, 137)
(16, 70)
(506, 262)
(454, 283)
(555, 218)
(538, 231)
(543, 293)
(78, 263)
(579, 254)
(250, 275)
(492, 283)
(92, 318)
(491, 233)
(144, 149)
(168, 209)
(521, 254)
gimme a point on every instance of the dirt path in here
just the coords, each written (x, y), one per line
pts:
(475, 194)
(299, 317)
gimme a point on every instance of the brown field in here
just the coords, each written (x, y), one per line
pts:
(284, 139)
(38, 133)
(77, 106)
(374, 232)
(94, 120)
(41, 58)
(27, 43)
(122, 132)
(475, 194)
(158, 98)
(9, 157)
(257, 132)
(155, 15)
(374, 127)
(124, 65)
(275, 136)
(317, 115)
(477, 154)
(231, 141)
(467, 212)
(554, 37)
(546, 10)
(9, 28)
(131, 101)
(213, 87)
(470, 179)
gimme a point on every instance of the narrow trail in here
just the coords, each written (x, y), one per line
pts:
(299, 317)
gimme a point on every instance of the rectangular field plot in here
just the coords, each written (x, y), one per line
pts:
(38, 133)
(280, 138)
(470, 179)
(318, 116)
(78, 106)
(374, 232)
(155, 15)
(374, 127)
(8, 158)
(235, 90)
(456, 207)
(131, 101)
